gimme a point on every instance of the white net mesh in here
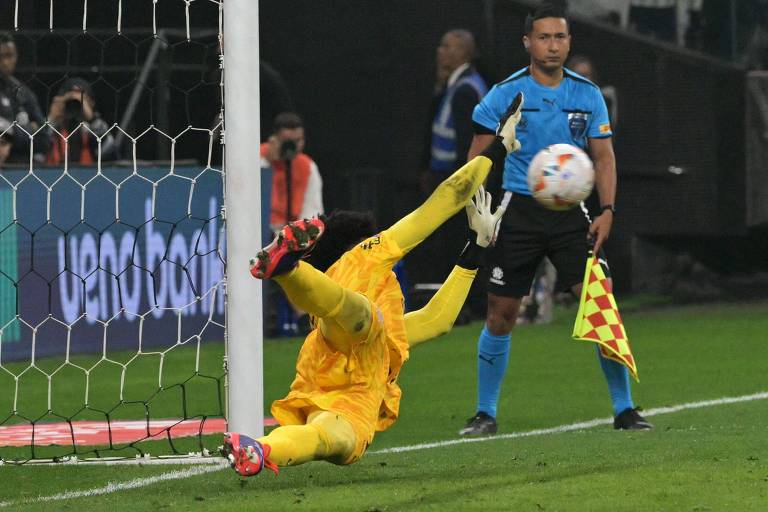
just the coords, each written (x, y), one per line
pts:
(111, 233)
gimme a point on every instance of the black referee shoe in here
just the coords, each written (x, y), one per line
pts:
(630, 419)
(481, 424)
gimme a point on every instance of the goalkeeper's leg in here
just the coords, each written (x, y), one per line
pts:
(326, 436)
(344, 316)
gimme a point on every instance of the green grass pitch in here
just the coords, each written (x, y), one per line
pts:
(706, 459)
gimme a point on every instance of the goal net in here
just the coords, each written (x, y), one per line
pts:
(112, 230)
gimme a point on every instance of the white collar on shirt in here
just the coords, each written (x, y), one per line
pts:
(456, 72)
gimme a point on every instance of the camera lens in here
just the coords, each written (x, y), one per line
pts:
(288, 150)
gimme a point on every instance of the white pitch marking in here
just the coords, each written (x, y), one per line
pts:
(115, 487)
(574, 426)
(176, 475)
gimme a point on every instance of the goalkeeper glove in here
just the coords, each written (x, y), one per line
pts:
(483, 223)
(481, 220)
(505, 131)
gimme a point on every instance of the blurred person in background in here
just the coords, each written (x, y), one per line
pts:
(297, 187)
(458, 88)
(73, 115)
(297, 193)
(560, 107)
(25, 109)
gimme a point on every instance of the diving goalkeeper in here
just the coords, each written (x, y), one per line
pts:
(345, 389)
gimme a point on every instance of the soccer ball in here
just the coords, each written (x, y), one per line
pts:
(560, 176)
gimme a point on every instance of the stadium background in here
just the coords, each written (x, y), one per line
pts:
(366, 106)
(364, 93)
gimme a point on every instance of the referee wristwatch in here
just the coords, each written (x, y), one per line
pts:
(608, 207)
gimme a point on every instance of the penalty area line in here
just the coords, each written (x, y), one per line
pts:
(574, 426)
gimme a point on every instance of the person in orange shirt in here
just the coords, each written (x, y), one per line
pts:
(296, 193)
(296, 180)
(345, 389)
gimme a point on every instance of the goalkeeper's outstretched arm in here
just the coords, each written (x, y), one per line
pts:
(457, 190)
(438, 316)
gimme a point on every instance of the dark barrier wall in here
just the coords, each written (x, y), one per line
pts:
(362, 74)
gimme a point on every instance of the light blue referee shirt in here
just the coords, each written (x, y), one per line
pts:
(567, 114)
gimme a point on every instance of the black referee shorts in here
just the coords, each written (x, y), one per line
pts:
(527, 234)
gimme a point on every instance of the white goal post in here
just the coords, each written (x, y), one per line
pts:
(243, 216)
(123, 326)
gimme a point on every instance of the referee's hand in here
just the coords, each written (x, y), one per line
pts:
(599, 230)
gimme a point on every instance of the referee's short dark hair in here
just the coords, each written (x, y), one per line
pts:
(287, 121)
(551, 9)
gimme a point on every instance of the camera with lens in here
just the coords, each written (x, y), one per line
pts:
(288, 150)
(73, 113)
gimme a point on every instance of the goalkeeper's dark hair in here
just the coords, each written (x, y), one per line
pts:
(551, 9)
(6, 37)
(343, 229)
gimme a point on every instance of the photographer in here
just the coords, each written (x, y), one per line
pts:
(73, 115)
(297, 189)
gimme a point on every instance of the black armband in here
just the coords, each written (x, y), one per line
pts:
(496, 152)
(473, 256)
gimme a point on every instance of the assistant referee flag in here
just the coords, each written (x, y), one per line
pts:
(598, 319)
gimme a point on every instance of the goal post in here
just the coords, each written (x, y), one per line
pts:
(124, 332)
(243, 216)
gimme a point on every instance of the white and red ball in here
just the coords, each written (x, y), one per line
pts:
(561, 176)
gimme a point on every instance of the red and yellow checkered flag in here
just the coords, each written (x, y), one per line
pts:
(598, 319)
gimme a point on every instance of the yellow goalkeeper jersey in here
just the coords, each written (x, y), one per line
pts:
(362, 387)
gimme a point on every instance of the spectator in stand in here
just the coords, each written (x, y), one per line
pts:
(77, 126)
(25, 109)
